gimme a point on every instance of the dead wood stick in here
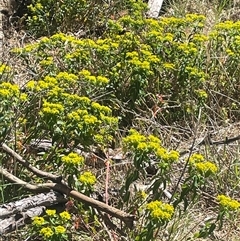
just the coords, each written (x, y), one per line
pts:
(226, 141)
(62, 188)
(31, 187)
(31, 168)
(208, 141)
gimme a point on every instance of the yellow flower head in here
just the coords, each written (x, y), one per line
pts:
(4, 68)
(47, 233)
(65, 215)
(60, 230)
(142, 147)
(38, 221)
(73, 159)
(228, 203)
(9, 90)
(87, 178)
(51, 108)
(195, 158)
(205, 167)
(160, 211)
(50, 212)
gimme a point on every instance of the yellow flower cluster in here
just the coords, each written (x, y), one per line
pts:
(142, 65)
(46, 62)
(50, 212)
(196, 158)
(8, 90)
(37, 6)
(169, 66)
(100, 108)
(197, 73)
(198, 162)
(47, 233)
(201, 94)
(195, 18)
(206, 166)
(65, 216)
(60, 230)
(227, 25)
(228, 203)
(77, 115)
(199, 38)
(188, 48)
(133, 139)
(63, 77)
(160, 211)
(96, 80)
(48, 82)
(73, 159)
(51, 109)
(4, 69)
(51, 215)
(145, 145)
(87, 178)
(90, 120)
(172, 21)
(38, 221)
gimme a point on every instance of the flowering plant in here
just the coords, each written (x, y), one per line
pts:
(52, 226)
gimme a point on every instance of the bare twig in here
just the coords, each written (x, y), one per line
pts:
(186, 164)
(224, 142)
(31, 168)
(208, 141)
(107, 180)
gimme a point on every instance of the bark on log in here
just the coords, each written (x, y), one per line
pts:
(14, 215)
(42, 199)
(19, 220)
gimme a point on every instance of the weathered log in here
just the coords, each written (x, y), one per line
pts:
(19, 220)
(42, 199)
(14, 215)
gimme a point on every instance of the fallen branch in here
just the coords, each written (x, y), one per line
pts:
(208, 141)
(227, 141)
(63, 188)
(31, 168)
